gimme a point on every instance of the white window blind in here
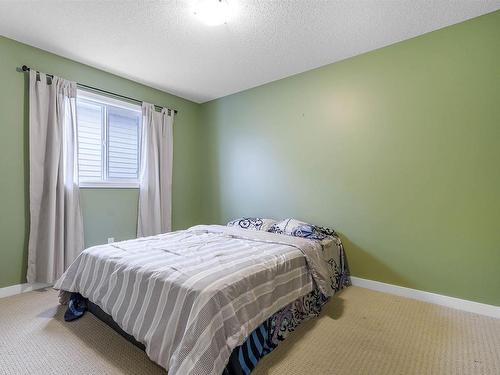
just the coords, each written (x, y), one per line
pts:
(108, 141)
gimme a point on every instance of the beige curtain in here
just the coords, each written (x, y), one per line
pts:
(56, 227)
(155, 194)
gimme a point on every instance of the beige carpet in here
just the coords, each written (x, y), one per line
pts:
(359, 332)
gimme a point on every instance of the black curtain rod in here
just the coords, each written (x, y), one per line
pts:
(26, 68)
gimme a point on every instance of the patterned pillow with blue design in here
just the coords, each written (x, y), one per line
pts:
(252, 223)
(298, 228)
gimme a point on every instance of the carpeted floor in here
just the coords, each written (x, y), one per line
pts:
(359, 332)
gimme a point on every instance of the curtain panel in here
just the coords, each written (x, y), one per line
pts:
(155, 194)
(56, 225)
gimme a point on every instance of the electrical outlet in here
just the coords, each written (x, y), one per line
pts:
(111, 239)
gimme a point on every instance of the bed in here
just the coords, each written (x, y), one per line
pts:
(211, 299)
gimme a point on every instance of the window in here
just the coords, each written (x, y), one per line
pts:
(108, 141)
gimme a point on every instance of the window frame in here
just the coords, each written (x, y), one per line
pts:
(104, 101)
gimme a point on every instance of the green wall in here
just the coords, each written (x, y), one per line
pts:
(397, 149)
(107, 212)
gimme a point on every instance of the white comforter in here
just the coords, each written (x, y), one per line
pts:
(193, 296)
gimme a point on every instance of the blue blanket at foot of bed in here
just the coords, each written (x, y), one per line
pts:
(77, 306)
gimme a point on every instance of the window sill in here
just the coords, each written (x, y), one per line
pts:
(109, 185)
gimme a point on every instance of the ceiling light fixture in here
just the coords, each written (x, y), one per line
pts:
(213, 12)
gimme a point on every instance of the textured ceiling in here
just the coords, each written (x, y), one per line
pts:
(164, 45)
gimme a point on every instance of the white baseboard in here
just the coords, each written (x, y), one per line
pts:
(21, 288)
(437, 299)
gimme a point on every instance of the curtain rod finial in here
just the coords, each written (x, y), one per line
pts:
(25, 68)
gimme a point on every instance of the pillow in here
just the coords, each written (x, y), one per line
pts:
(252, 223)
(298, 228)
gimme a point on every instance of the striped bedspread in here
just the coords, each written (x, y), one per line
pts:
(192, 296)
